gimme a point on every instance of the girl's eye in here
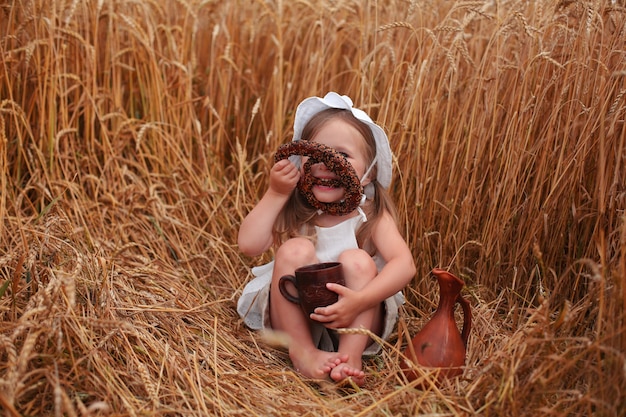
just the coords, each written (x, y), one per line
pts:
(345, 155)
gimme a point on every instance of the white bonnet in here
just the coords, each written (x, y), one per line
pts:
(313, 105)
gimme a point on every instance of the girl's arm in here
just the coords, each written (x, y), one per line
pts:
(255, 233)
(399, 268)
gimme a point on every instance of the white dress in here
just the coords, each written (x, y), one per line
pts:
(253, 305)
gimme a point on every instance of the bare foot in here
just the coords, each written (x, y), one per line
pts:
(315, 363)
(348, 370)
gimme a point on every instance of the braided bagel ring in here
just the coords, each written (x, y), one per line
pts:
(336, 163)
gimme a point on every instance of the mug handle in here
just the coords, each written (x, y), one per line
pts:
(467, 318)
(283, 290)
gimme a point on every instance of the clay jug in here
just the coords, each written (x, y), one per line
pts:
(439, 344)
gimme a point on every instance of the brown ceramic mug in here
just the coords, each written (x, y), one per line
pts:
(310, 281)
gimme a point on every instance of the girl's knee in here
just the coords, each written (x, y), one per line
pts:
(358, 266)
(298, 251)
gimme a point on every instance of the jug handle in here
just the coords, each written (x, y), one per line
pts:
(467, 318)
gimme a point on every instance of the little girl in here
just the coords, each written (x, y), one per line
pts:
(377, 262)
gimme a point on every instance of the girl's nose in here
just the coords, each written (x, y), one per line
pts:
(321, 165)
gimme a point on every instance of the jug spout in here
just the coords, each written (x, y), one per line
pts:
(449, 284)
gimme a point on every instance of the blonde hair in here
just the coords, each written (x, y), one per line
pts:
(297, 218)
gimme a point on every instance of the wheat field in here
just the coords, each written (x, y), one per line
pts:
(135, 135)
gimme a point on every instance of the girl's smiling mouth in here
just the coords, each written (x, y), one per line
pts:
(327, 182)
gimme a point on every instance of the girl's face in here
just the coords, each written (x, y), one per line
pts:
(345, 139)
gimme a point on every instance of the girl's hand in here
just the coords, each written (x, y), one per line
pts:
(284, 177)
(341, 314)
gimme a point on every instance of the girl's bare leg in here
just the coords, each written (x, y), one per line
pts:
(289, 318)
(359, 269)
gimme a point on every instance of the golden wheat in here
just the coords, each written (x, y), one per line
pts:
(135, 136)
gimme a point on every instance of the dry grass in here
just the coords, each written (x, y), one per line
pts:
(135, 135)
